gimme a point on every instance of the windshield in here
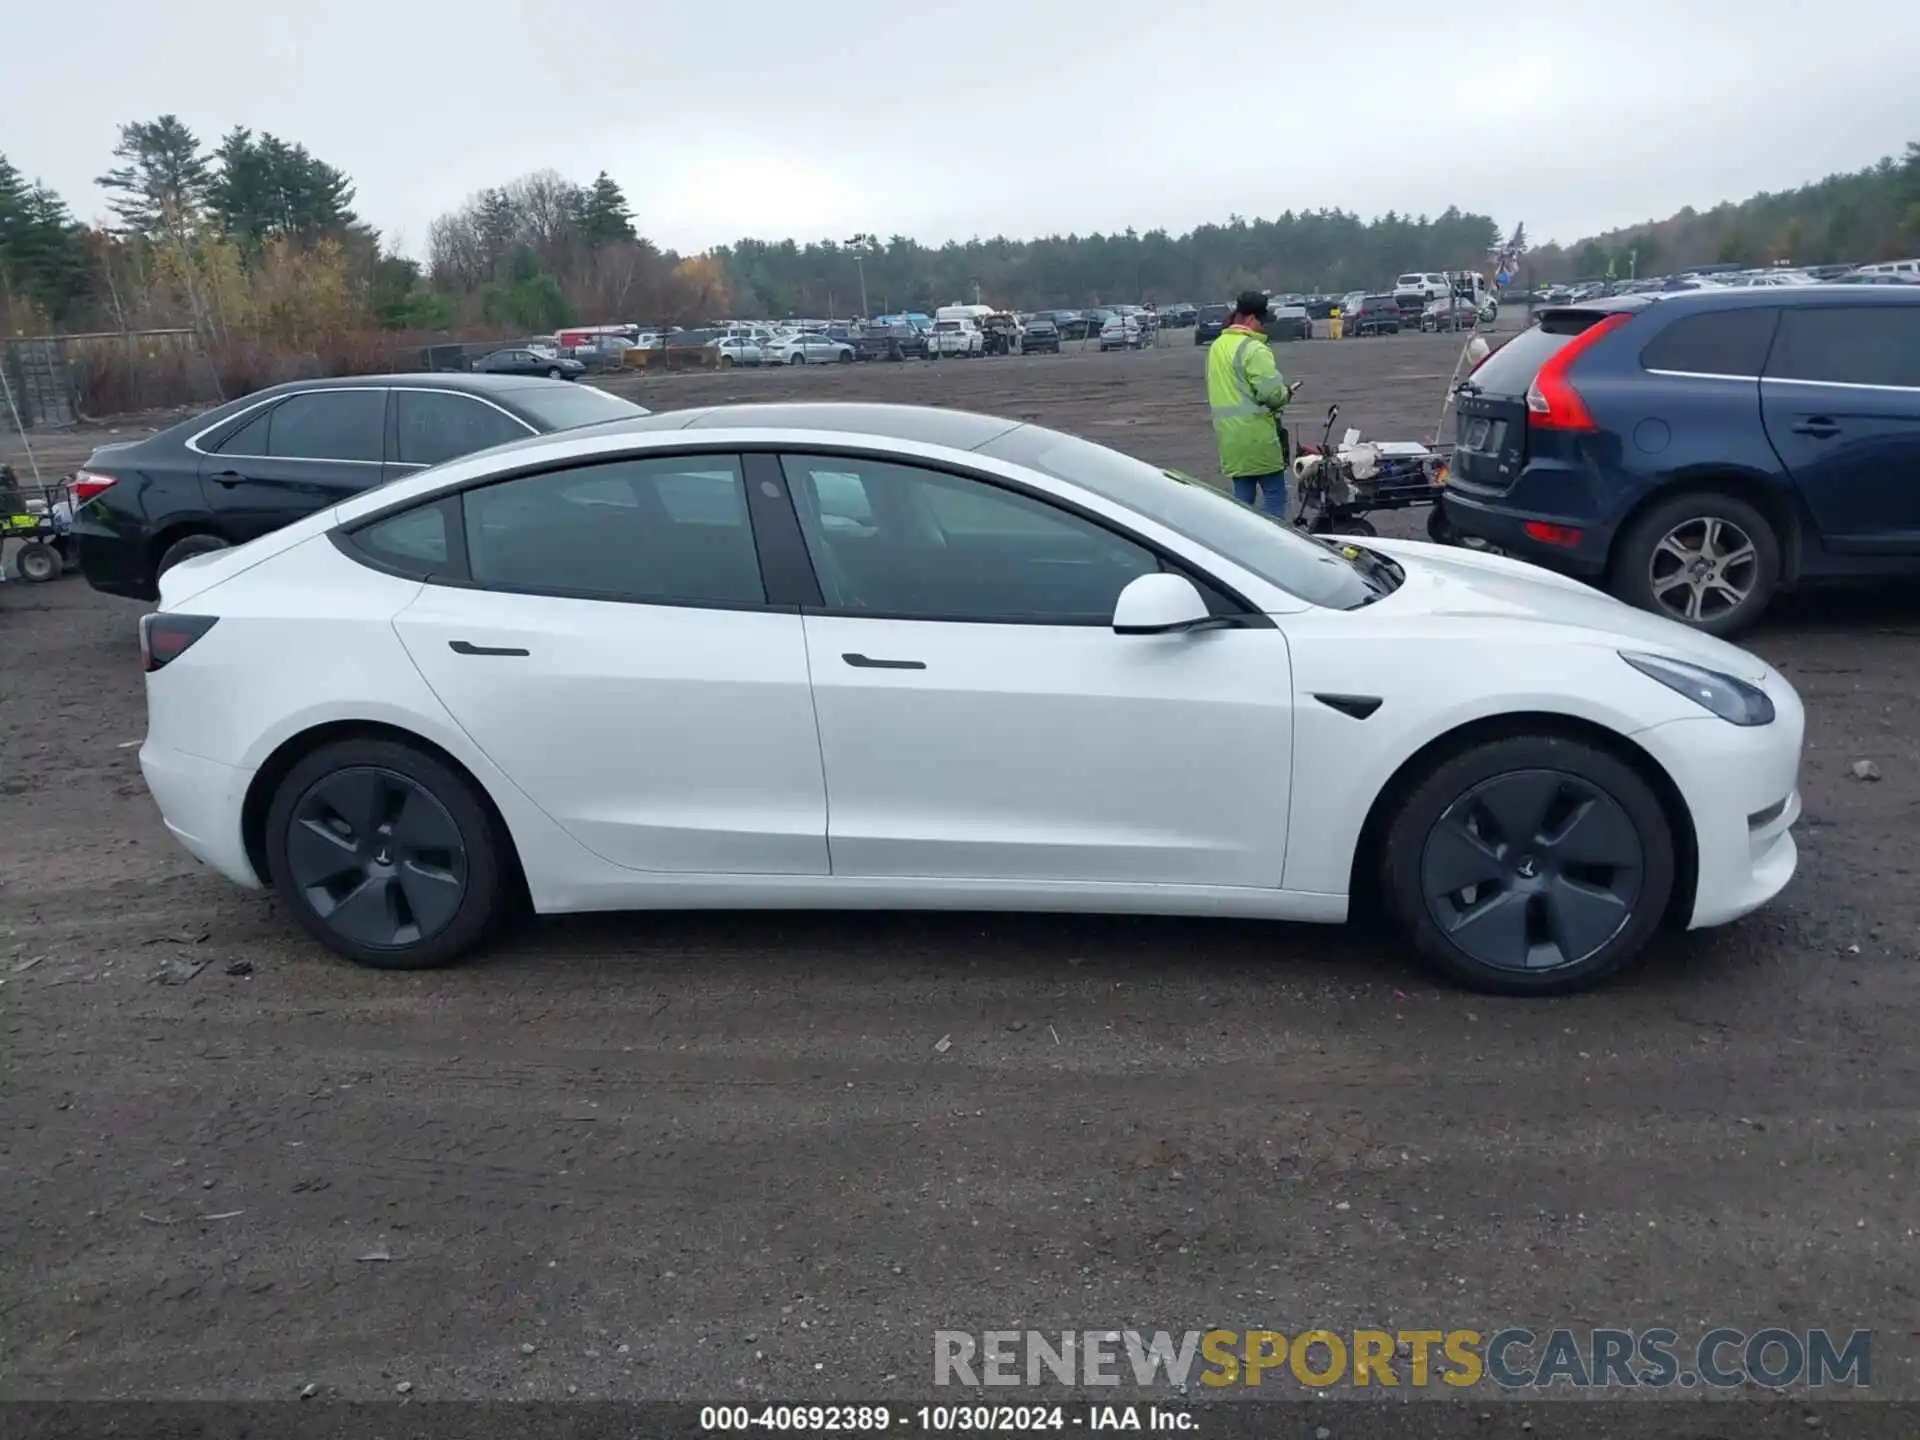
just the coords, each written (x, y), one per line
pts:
(1215, 312)
(566, 407)
(1276, 552)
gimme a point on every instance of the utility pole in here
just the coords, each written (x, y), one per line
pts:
(858, 244)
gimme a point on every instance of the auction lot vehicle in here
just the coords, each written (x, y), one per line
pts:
(807, 348)
(254, 464)
(529, 362)
(1422, 286)
(1042, 335)
(1696, 452)
(1288, 322)
(891, 342)
(955, 338)
(1210, 322)
(865, 656)
(1372, 315)
(1123, 332)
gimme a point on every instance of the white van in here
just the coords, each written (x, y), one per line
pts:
(1891, 267)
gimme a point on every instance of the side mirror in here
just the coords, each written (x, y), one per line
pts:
(1159, 604)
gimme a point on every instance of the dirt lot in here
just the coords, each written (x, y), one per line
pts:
(722, 1156)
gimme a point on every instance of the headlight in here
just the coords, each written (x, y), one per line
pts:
(1734, 701)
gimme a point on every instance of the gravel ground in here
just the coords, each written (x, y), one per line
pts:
(723, 1156)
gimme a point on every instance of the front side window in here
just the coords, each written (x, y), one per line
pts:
(668, 530)
(434, 426)
(899, 540)
(1849, 345)
(329, 425)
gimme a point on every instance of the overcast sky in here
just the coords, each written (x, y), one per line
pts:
(947, 119)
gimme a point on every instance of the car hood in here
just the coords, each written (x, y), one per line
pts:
(1457, 583)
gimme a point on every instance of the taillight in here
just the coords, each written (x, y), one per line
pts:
(1552, 402)
(1566, 536)
(165, 638)
(90, 484)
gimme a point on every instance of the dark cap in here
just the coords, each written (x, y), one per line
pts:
(1251, 302)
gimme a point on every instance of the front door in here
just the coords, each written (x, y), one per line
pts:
(615, 657)
(305, 453)
(979, 719)
(1841, 398)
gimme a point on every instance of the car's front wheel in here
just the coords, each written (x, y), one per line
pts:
(1708, 560)
(385, 855)
(1532, 865)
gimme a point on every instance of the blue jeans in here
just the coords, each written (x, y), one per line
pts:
(1273, 490)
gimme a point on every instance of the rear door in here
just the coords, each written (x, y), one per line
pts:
(304, 453)
(612, 649)
(1841, 398)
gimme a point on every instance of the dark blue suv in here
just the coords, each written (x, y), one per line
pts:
(1696, 453)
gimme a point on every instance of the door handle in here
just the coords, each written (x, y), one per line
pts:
(467, 647)
(228, 478)
(864, 662)
(1818, 426)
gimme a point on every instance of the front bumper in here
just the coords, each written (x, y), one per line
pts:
(1741, 786)
(200, 802)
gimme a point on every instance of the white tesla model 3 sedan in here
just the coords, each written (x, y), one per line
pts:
(877, 656)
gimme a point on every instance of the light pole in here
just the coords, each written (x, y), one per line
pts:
(858, 244)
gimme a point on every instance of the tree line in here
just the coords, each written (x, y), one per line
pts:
(255, 239)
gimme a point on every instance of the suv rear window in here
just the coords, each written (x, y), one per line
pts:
(1511, 368)
(1720, 342)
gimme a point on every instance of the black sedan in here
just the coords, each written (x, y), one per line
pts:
(1041, 334)
(529, 362)
(1209, 322)
(264, 461)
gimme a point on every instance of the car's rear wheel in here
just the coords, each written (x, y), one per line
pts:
(1708, 560)
(186, 548)
(1533, 865)
(385, 855)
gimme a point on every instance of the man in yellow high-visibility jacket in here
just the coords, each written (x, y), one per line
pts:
(1247, 394)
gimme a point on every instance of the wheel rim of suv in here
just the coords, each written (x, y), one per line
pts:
(1703, 569)
(379, 859)
(1532, 870)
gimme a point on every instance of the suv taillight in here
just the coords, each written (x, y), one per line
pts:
(89, 485)
(1552, 402)
(165, 638)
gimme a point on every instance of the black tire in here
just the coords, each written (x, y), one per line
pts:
(798, 358)
(725, 362)
(37, 562)
(1445, 828)
(185, 548)
(1640, 566)
(553, 372)
(483, 898)
(1439, 528)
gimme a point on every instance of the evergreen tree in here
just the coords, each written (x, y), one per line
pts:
(160, 187)
(43, 255)
(604, 215)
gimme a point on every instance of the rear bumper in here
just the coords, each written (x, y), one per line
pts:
(114, 564)
(1505, 529)
(200, 803)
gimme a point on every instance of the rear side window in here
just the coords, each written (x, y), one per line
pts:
(330, 425)
(1720, 342)
(433, 426)
(1511, 368)
(414, 541)
(1849, 345)
(250, 438)
(669, 530)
